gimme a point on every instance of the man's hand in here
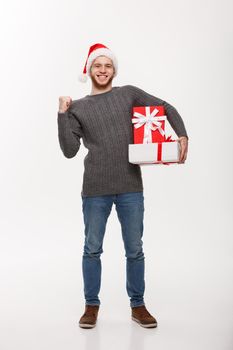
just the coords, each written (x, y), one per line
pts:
(64, 103)
(183, 141)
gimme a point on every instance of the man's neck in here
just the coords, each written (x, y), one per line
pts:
(95, 90)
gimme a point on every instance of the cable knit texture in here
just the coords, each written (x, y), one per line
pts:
(103, 122)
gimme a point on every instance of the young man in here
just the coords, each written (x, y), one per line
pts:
(103, 121)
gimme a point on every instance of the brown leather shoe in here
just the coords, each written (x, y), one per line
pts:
(141, 315)
(89, 318)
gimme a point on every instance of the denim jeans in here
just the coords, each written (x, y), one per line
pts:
(130, 212)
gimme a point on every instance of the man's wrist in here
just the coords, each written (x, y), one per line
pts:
(183, 136)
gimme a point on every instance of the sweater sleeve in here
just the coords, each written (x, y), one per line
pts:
(142, 98)
(69, 133)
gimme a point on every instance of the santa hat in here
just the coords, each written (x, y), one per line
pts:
(95, 51)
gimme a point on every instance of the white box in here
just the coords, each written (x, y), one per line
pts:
(147, 153)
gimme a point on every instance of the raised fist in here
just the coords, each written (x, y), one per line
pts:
(64, 103)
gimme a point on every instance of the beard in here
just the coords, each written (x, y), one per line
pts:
(100, 86)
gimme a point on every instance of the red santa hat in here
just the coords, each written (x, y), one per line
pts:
(95, 51)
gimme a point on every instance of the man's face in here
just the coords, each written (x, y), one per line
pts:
(102, 72)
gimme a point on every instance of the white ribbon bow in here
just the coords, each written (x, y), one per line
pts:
(149, 119)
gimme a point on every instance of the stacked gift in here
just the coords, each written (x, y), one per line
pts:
(151, 145)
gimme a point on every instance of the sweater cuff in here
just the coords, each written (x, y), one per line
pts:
(184, 136)
(62, 113)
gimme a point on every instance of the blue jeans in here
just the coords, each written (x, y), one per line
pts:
(130, 212)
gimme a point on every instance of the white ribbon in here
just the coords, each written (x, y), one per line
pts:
(149, 119)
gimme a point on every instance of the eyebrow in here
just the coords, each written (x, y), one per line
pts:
(106, 64)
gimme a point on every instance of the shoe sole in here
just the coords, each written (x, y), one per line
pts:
(149, 325)
(86, 325)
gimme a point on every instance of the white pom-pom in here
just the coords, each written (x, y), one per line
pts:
(83, 78)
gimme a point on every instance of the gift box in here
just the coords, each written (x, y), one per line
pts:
(151, 145)
(148, 124)
(155, 152)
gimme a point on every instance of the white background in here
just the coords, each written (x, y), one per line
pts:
(180, 51)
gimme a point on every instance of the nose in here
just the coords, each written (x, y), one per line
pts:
(103, 69)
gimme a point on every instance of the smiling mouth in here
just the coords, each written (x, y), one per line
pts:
(102, 75)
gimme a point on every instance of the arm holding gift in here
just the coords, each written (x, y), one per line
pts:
(183, 140)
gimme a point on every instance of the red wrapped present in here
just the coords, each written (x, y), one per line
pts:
(149, 124)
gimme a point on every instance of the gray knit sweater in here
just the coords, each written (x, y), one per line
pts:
(103, 121)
